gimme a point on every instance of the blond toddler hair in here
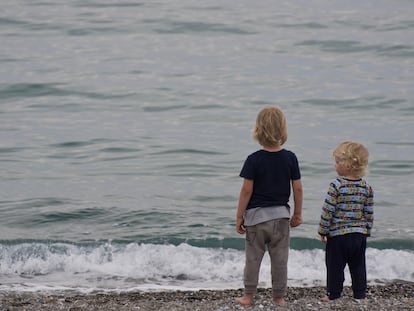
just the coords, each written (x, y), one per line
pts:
(352, 156)
(271, 127)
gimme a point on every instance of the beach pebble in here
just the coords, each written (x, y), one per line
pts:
(394, 296)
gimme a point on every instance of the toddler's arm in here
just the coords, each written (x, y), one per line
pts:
(328, 210)
(369, 210)
(296, 219)
(245, 194)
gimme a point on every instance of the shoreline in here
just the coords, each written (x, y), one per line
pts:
(393, 296)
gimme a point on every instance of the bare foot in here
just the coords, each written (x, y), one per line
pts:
(245, 300)
(279, 300)
(324, 299)
(361, 300)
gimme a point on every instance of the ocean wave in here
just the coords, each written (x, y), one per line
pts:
(30, 265)
(350, 46)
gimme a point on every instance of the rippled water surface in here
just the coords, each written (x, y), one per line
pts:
(129, 121)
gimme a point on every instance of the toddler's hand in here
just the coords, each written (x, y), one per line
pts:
(295, 221)
(323, 239)
(240, 226)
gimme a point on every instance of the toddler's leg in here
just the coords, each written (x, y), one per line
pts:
(279, 240)
(335, 257)
(255, 249)
(357, 266)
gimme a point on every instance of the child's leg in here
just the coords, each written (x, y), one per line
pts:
(357, 266)
(255, 249)
(335, 257)
(278, 247)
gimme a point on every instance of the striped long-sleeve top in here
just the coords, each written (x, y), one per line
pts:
(348, 208)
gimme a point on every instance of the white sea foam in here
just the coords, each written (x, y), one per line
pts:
(164, 267)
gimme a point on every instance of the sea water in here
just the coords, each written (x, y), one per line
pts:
(124, 126)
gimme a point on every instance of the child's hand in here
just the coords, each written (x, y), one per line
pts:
(240, 226)
(323, 239)
(295, 221)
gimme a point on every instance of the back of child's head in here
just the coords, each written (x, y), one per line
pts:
(352, 156)
(271, 127)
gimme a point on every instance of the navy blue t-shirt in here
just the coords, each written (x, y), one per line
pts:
(272, 173)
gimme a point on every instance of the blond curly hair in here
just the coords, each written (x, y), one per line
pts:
(352, 156)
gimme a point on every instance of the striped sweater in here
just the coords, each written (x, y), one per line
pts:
(348, 208)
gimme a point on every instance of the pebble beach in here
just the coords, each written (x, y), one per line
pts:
(394, 296)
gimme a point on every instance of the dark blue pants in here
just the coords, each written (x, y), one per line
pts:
(341, 250)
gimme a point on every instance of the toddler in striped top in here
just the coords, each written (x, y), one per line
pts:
(346, 220)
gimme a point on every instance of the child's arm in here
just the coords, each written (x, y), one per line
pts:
(245, 194)
(328, 210)
(369, 211)
(296, 219)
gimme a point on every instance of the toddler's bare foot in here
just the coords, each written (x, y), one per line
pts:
(245, 300)
(361, 300)
(279, 300)
(325, 299)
